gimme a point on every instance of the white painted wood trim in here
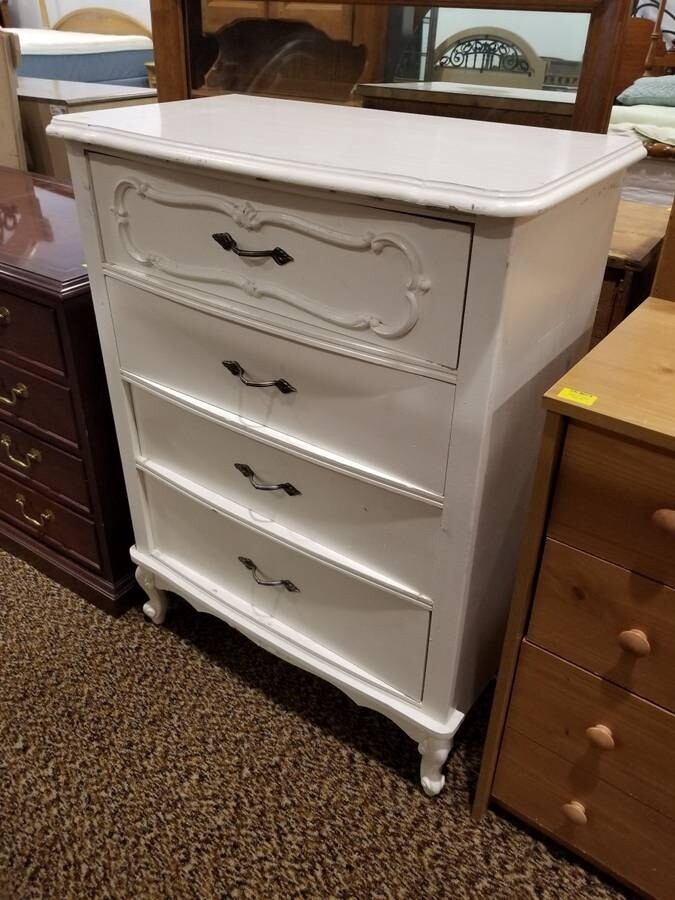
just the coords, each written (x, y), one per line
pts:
(553, 165)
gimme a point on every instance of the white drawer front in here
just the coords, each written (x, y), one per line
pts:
(377, 528)
(388, 278)
(386, 420)
(381, 632)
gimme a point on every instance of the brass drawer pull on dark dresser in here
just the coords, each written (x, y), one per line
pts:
(237, 369)
(5, 317)
(41, 520)
(32, 456)
(227, 242)
(248, 472)
(16, 393)
(251, 566)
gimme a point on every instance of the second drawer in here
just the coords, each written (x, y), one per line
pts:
(393, 423)
(608, 620)
(380, 529)
(379, 631)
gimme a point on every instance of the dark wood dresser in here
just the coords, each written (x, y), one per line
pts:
(63, 506)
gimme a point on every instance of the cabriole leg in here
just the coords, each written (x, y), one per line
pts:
(156, 606)
(434, 754)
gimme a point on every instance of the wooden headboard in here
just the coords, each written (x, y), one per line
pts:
(99, 20)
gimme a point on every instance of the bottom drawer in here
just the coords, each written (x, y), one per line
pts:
(630, 840)
(377, 630)
(49, 521)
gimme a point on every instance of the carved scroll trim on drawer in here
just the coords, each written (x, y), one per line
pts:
(252, 219)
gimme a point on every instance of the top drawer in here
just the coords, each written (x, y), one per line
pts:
(387, 278)
(607, 493)
(29, 331)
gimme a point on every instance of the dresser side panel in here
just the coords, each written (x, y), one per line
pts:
(513, 348)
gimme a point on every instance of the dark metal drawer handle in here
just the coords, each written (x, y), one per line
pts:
(32, 456)
(233, 366)
(248, 472)
(43, 518)
(16, 393)
(227, 242)
(251, 566)
(5, 316)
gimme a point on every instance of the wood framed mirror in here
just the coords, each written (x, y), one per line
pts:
(177, 25)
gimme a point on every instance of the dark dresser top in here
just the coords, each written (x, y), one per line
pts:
(40, 234)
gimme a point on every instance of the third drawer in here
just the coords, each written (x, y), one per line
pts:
(394, 534)
(622, 739)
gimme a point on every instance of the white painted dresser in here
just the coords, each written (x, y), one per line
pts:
(326, 332)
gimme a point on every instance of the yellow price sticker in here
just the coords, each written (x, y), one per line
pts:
(577, 396)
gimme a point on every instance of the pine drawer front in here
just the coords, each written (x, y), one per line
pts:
(609, 488)
(27, 399)
(381, 632)
(48, 521)
(381, 529)
(607, 620)
(29, 331)
(626, 741)
(383, 419)
(621, 834)
(390, 279)
(43, 466)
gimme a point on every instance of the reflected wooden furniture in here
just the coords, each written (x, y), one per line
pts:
(595, 95)
(581, 742)
(42, 98)
(12, 151)
(636, 244)
(312, 50)
(514, 106)
(62, 501)
(5, 17)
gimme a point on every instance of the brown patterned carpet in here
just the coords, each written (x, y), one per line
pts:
(183, 762)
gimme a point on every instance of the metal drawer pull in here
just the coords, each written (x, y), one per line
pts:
(227, 242)
(19, 390)
(5, 316)
(41, 521)
(251, 566)
(281, 384)
(32, 456)
(248, 472)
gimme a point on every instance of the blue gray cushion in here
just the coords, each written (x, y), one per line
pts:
(653, 91)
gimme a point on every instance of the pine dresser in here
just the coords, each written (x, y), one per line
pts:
(582, 735)
(63, 506)
(326, 331)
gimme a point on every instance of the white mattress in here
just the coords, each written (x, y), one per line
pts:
(44, 42)
(650, 123)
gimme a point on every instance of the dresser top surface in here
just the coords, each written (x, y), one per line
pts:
(74, 93)
(39, 230)
(480, 168)
(627, 381)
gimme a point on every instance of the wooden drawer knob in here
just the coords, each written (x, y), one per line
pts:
(601, 736)
(665, 520)
(635, 641)
(575, 812)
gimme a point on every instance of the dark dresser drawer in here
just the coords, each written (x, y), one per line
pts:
(43, 466)
(49, 521)
(30, 331)
(27, 399)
